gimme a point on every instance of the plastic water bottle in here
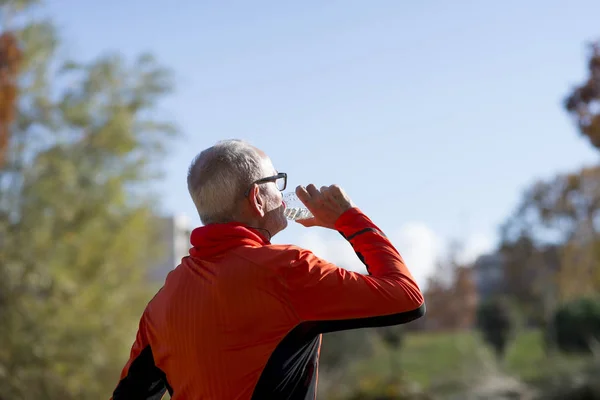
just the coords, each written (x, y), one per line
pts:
(294, 209)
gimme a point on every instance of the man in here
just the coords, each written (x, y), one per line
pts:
(241, 318)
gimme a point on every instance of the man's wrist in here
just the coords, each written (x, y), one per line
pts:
(346, 217)
(352, 221)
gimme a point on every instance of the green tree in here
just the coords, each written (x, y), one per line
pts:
(392, 338)
(496, 322)
(76, 218)
(577, 325)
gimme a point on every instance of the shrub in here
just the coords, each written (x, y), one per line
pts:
(496, 322)
(576, 325)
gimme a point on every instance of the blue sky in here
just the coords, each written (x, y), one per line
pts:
(432, 115)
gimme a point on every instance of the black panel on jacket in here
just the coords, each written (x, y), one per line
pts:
(291, 370)
(144, 380)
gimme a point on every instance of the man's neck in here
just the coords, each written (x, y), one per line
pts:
(262, 232)
(254, 224)
(247, 220)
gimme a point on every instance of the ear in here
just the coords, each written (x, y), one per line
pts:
(257, 203)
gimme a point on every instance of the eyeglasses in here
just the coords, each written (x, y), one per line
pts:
(280, 180)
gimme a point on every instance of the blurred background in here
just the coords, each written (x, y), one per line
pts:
(468, 131)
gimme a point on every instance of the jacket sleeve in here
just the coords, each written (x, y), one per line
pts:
(338, 299)
(141, 378)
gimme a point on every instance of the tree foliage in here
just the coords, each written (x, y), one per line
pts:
(496, 322)
(530, 276)
(551, 245)
(10, 60)
(583, 103)
(558, 210)
(76, 220)
(451, 296)
(577, 325)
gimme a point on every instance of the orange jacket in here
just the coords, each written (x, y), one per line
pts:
(241, 318)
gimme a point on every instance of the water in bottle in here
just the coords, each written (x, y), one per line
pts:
(294, 209)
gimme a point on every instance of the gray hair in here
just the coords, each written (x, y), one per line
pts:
(218, 177)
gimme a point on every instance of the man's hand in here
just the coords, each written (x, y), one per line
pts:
(326, 205)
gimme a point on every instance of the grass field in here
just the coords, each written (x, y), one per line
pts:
(432, 359)
(446, 360)
(527, 359)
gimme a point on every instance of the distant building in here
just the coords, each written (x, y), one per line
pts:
(175, 235)
(488, 274)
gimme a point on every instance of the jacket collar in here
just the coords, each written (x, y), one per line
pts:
(215, 239)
